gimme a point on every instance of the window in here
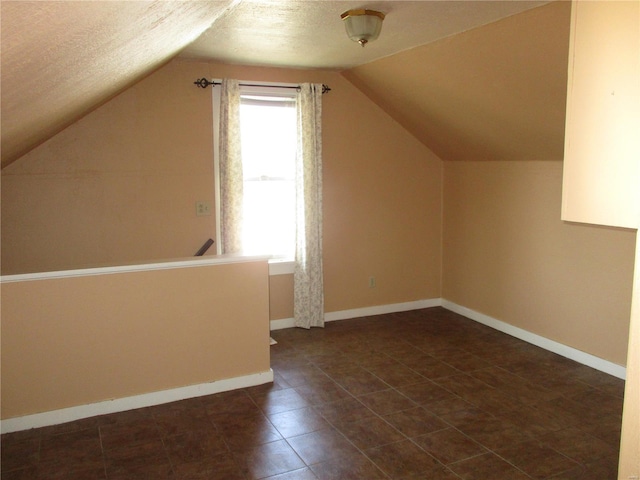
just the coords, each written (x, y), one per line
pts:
(268, 133)
(268, 141)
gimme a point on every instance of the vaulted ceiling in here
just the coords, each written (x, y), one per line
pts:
(470, 79)
(492, 93)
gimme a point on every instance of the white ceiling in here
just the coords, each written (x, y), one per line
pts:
(310, 33)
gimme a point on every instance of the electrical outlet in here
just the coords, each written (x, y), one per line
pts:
(203, 209)
(372, 282)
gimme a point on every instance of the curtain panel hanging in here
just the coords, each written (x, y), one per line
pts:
(308, 276)
(231, 181)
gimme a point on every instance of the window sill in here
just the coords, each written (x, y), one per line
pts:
(281, 266)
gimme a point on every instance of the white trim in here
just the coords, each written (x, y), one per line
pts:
(70, 414)
(281, 266)
(363, 312)
(281, 324)
(203, 261)
(542, 342)
(268, 89)
(382, 309)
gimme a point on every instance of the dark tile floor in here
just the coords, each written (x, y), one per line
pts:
(426, 394)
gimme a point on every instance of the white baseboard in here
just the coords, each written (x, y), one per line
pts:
(70, 414)
(568, 352)
(382, 309)
(363, 312)
(281, 323)
(542, 342)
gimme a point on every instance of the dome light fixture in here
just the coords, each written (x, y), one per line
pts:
(363, 26)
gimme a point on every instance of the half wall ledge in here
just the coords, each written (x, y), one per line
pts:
(84, 337)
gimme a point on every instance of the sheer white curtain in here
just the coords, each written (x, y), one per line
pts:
(230, 167)
(308, 310)
(308, 279)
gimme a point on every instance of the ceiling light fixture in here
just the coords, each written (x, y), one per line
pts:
(363, 25)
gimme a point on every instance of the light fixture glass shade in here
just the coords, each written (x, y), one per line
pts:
(362, 26)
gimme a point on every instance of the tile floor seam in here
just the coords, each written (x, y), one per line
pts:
(555, 474)
(396, 443)
(337, 429)
(577, 462)
(491, 452)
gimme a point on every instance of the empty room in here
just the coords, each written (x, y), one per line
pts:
(320, 239)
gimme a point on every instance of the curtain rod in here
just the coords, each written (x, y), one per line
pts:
(204, 83)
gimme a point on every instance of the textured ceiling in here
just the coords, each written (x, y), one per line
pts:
(310, 34)
(61, 59)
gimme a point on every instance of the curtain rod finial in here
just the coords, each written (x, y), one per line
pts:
(203, 82)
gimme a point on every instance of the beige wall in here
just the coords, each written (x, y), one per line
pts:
(602, 146)
(280, 297)
(601, 181)
(121, 184)
(508, 255)
(75, 341)
(630, 439)
(382, 210)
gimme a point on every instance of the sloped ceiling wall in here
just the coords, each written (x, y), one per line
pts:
(497, 92)
(62, 59)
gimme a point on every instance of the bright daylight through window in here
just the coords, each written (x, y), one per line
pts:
(268, 133)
